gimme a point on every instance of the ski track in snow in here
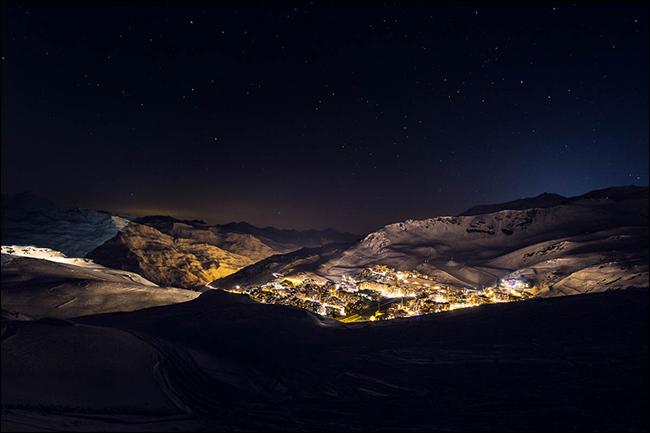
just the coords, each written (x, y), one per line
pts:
(182, 380)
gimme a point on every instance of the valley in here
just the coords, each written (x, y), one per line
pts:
(527, 319)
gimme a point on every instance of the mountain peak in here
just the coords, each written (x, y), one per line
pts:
(546, 200)
(543, 200)
(166, 219)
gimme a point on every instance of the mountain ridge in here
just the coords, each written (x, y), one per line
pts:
(28, 219)
(546, 200)
(570, 248)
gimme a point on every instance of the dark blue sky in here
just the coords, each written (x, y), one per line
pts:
(318, 114)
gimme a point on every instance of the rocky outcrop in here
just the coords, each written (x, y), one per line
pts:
(238, 243)
(480, 226)
(187, 254)
(166, 260)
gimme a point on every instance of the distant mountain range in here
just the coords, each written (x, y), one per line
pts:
(594, 242)
(547, 200)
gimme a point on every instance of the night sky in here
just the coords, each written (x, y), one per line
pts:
(349, 115)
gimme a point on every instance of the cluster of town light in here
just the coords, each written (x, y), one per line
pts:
(380, 293)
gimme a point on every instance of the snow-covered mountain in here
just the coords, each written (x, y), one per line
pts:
(31, 220)
(598, 241)
(41, 283)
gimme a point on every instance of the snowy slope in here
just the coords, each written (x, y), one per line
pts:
(225, 363)
(31, 220)
(57, 364)
(478, 250)
(64, 288)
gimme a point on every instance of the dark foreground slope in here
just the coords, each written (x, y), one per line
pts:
(577, 363)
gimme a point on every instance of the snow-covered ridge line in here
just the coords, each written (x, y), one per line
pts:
(604, 227)
(31, 220)
(10, 252)
(508, 222)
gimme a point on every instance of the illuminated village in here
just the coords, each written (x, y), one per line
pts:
(380, 293)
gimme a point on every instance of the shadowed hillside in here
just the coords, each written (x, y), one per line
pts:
(575, 363)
